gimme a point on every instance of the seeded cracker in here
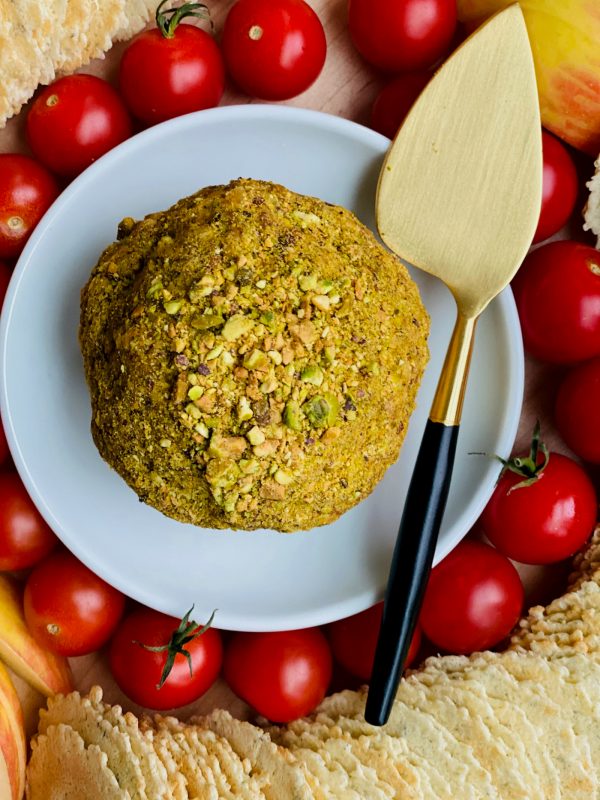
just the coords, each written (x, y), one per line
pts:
(61, 767)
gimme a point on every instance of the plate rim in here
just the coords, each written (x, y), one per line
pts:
(322, 120)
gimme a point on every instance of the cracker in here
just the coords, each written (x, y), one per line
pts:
(278, 776)
(568, 626)
(63, 768)
(525, 681)
(39, 40)
(156, 778)
(88, 722)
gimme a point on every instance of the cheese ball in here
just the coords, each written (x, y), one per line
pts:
(253, 357)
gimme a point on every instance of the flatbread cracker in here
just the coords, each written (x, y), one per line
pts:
(61, 767)
(40, 40)
(88, 722)
(280, 778)
(157, 783)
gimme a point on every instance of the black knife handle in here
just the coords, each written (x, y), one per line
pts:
(411, 564)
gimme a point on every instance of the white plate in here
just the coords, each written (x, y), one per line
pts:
(261, 580)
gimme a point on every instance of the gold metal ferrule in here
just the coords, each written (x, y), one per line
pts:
(450, 393)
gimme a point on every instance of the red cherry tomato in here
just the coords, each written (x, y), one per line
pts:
(282, 675)
(74, 121)
(24, 536)
(5, 276)
(171, 70)
(473, 599)
(398, 35)
(139, 671)
(559, 188)
(274, 49)
(543, 508)
(68, 608)
(27, 190)
(394, 102)
(557, 291)
(354, 639)
(577, 410)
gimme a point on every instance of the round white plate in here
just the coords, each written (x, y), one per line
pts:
(261, 580)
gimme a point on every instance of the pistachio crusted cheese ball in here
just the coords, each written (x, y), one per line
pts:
(253, 357)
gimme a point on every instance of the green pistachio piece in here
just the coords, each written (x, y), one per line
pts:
(236, 326)
(283, 478)
(193, 411)
(329, 354)
(244, 411)
(312, 374)
(257, 360)
(322, 410)
(292, 416)
(173, 306)
(308, 283)
(255, 436)
(155, 287)
(195, 393)
(325, 286)
(203, 322)
(267, 318)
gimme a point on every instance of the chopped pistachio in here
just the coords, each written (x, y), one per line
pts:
(267, 318)
(329, 354)
(373, 368)
(226, 446)
(272, 491)
(308, 283)
(203, 322)
(325, 287)
(155, 288)
(236, 326)
(267, 448)
(227, 359)
(257, 360)
(275, 356)
(165, 443)
(292, 416)
(306, 217)
(322, 302)
(193, 411)
(283, 478)
(202, 429)
(322, 410)
(269, 385)
(255, 436)
(173, 306)
(249, 466)
(214, 353)
(244, 411)
(195, 392)
(261, 283)
(312, 374)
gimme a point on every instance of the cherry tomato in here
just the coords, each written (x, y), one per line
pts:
(473, 599)
(397, 35)
(74, 121)
(27, 190)
(543, 507)
(274, 49)
(140, 671)
(24, 536)
(68, 608)
(5, 276)
(354, 639)
(557, 291)
(282, 675)
(394, 102)
(171, 70)
(577, 410)
(559, 188)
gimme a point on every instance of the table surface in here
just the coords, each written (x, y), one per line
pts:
(346, 87)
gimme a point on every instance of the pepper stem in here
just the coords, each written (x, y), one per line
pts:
(186, 632)
(168, 20)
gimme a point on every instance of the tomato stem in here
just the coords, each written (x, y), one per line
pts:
(186, 632)
(528, 467)
(168, 20)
